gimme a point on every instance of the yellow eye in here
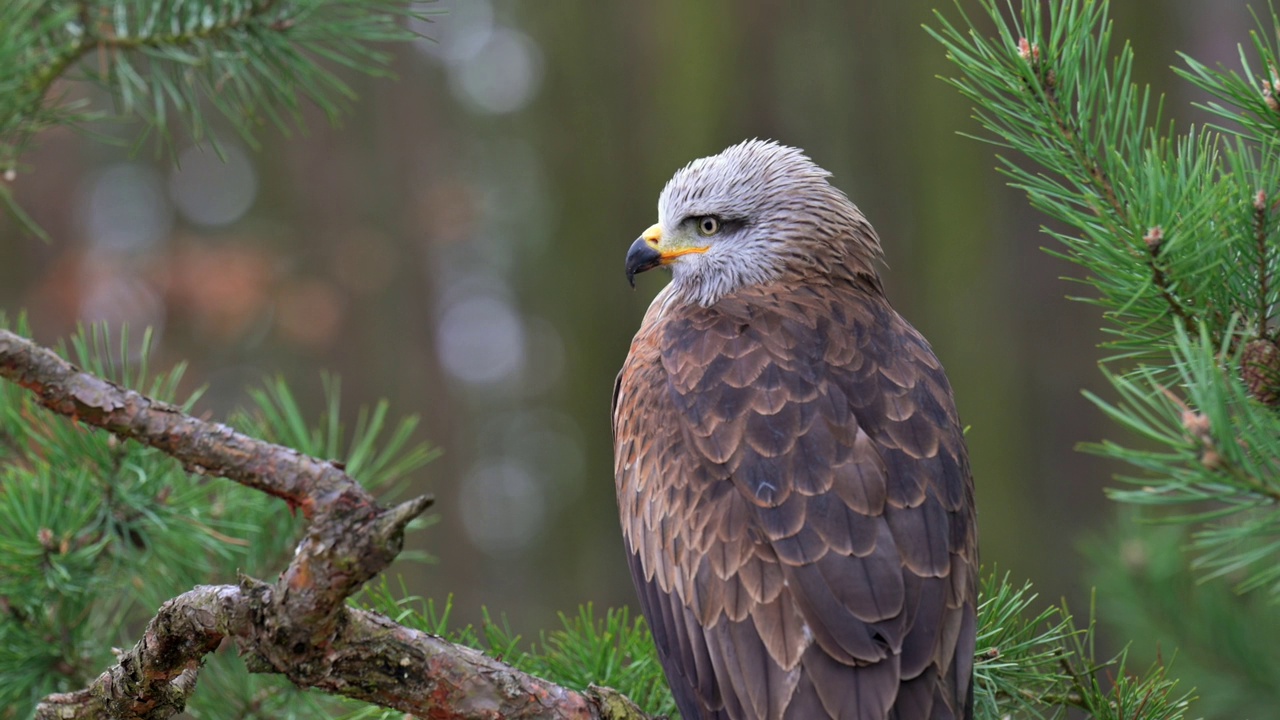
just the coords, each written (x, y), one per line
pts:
(708, 225)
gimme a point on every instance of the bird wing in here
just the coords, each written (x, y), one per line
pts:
(798, 508)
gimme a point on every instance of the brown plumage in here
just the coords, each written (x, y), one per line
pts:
(792, 479)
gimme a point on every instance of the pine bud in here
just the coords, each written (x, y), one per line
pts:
(1028, 51)
(1197, 426)
(1154, 239)
(1271, 88)
(1210, 459)
(1260, 370)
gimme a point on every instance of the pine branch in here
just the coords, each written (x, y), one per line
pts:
(242, 46)
(1175, 233)
(101, 34)
(1217, 462)
(1046, 88)
(166, 62)
(1042, 664)
(298, 626)
(369, 658)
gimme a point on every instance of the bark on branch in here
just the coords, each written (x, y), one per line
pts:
(299, 625)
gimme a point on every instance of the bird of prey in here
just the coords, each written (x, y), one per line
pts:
(792, 477)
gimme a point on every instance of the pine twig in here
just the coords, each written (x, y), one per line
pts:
(300, 625)
(107, 42)
(1069, 130)
(1261, 215)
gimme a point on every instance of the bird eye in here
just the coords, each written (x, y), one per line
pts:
(708, 225)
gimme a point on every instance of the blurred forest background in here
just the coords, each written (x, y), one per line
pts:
(458, 247)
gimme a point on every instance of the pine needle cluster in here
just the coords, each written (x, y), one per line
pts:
(1175, 233)
(171, 66)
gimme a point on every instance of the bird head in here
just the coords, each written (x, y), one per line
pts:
(754, 213)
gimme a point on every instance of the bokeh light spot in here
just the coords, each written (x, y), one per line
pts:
(209, 191)
(480, 339)
(502, 506)
(542, 438)
(123, 209)
(502, 76)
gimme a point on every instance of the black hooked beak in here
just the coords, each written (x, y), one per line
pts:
(641, 257)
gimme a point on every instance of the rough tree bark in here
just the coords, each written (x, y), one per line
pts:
(299, 625)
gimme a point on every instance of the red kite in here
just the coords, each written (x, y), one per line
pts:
(792, 477)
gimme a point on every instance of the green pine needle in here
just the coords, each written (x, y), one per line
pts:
(378, 456)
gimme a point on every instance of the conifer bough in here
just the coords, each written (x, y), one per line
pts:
(1178, 237)
(300, 625)
(253, 62)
